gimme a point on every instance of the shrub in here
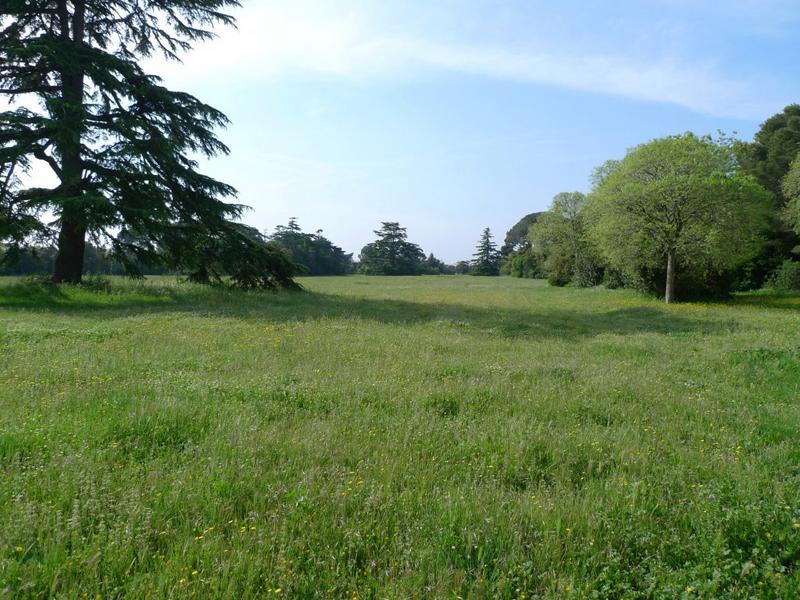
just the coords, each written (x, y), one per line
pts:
(787, 277)
(524, 264)
(557, 279)
(615, 279)
(587, 273)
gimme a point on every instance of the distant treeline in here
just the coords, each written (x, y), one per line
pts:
(312, 252)
(390, 254)
(681, 216)
(393, 254)
(39, 260)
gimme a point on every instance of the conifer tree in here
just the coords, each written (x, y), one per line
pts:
(486, 259)
(120, 143)
(316, 254)
(391, 253)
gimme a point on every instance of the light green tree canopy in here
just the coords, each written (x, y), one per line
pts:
(561, 225)
(678, 203)
(559, 237)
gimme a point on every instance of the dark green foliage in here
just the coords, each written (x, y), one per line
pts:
(316, 254)
(39, 260)
(769, 158)
(391, 253)
(787, 277)
(790, 186)
(778, 245)
(119, 142)
(517, 237)
(615, 279)
(462, 267)
(557, 279)
(242, 254)
(486, 259)
(587, 271)
(518, 258)
(771, 153)
(692, 281)
(526, 264)
(19, 218)
(30, 260)
(434, 266)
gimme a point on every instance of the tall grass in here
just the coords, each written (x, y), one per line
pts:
(396, 438)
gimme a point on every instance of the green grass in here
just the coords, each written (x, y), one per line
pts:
(396, 438)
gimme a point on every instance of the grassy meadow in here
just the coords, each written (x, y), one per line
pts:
(428, 437)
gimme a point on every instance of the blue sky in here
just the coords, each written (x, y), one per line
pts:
(453, 115)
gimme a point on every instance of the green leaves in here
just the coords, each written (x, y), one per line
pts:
(791, 191)
(776, 145)
(678, 195)
(391, 253)
(559, 238)
(486, 259)
(315, 253)
(121, 143)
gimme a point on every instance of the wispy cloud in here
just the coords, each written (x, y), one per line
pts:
(306, 38)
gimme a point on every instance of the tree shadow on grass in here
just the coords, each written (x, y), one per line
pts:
(781, 300)
(538, 322)
(44, 296)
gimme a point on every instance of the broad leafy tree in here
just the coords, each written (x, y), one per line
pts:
(526, 264)
(391, 253)
(120, 144)
(518, 258)
(559, 237)
(775, 146)
(486, 260)
(601, 173)
(769, 158)
(678, 203)
(516, 238)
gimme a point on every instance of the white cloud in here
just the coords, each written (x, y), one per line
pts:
(325, 40)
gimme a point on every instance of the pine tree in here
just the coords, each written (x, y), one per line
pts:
(118, 141)
(391, 253)
(486, 259)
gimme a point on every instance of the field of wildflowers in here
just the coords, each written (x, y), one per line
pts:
(396, 438)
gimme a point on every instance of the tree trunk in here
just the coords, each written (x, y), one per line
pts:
(72, 237)
(71, 248)
(669, 295)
